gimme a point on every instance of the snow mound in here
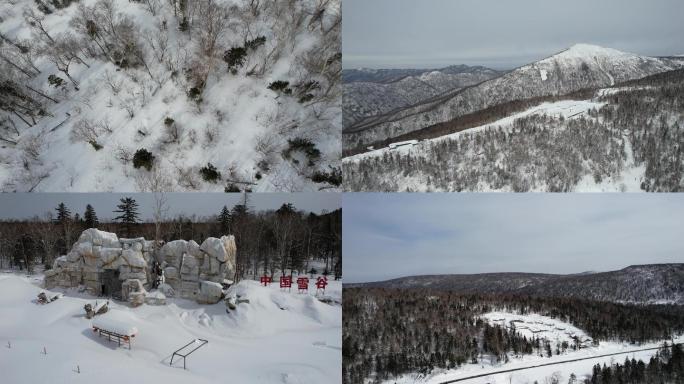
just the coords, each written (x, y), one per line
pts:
(278, 305)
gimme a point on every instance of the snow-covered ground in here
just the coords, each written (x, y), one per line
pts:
(554, 330)
(278, 337)
(240, 126)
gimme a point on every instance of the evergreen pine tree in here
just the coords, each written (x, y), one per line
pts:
(128, 210)
(63, 214)
(224, 220)
(65, 223)
(90, 217)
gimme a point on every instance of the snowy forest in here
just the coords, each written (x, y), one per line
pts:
(631, 138)
(268, 241)
(389, 332)
(140, 95)
(665, 367)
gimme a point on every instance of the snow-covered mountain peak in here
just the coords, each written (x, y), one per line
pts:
(590, 50)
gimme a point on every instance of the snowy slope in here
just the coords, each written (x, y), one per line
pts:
(239, 126)
(398, 180)
(279, 337)
(579, 67)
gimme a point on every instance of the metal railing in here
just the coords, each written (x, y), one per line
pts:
(199, 343)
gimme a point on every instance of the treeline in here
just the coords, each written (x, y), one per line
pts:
(666, 367)
(388, 332)
(545, 153)
(270, 242)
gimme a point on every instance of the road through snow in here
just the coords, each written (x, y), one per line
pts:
(548, 364)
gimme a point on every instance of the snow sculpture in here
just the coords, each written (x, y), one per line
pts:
(122, 268)
(103, 263)
(186, 264)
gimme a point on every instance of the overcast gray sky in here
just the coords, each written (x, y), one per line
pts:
(499, 33)
(404, 234)
(25, 205)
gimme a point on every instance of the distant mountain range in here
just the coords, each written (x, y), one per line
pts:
(644, 284)
(582, 66)
(370, 75)
(370, 92)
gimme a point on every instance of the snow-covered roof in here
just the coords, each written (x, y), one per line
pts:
(113, 325)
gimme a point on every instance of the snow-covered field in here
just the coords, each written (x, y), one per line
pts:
(543, 327)
(278, 337)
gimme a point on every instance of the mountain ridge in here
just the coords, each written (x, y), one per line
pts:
(643, 284)
(369, 93)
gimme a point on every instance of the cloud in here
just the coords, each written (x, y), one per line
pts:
(501, 34)
(392, 235)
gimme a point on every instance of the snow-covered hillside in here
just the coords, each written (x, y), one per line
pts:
(559, 366)
(622, 138)
(119, 95)
(580, 67)
(363, 99)
(278, 337)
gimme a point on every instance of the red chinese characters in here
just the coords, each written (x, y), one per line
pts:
(266, 280)
(303, 284)
(321, 283)
(285, 281)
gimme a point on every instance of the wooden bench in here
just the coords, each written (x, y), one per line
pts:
(113, 329)
(119, 338)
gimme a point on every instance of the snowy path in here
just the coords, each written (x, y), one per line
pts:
(548, 364)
